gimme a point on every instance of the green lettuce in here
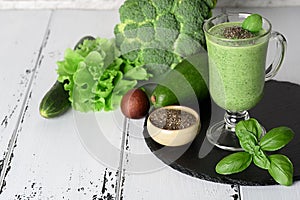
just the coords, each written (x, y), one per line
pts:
(97, 76)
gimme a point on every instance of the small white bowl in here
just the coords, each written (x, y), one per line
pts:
(176, 137)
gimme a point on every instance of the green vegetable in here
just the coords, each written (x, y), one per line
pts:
(249, 134)
(55, 102)
(183, 82)
(261, 159)
(160, 33)
(281, 169)
(276, 139)
(97, 77)
(234, 163)
(253, 23)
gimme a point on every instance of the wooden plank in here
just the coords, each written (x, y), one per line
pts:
(19, 53)
(271, 192)
(146, 177)
(282, 20)
(49, 160)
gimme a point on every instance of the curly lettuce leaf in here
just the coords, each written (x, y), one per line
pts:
(96, 76)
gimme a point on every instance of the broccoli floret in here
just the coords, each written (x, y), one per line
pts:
(186, 46)
(189, 11)
(148, 9)
(167, 31)
(158, 61)
(130, 11)
(146, 32)
(194, 29)
(130, 30)
(118, 31)
(130, 49)
(132, 56)
(166, 38)
(159, 56)
(167, 21)
(163, 6)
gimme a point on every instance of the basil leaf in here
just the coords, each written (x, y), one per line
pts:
(251, 125)
(281, 169)
(248, 132)
(276, 138)
(253, 23)
(260, 159)
(234, 163)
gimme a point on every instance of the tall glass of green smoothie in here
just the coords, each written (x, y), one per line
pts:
(237, 70)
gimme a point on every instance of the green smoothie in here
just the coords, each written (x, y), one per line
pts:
(236, 68)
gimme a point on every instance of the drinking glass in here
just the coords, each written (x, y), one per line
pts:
(237, 73)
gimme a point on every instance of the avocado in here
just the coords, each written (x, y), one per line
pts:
(185, 84)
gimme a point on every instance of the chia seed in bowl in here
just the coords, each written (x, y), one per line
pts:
(172, 119)
(173, 125)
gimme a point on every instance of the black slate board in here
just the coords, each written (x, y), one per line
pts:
(280, 106)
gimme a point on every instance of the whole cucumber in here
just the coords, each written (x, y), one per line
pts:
(187, 80)
(55, 102)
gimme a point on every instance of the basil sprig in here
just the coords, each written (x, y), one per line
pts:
(253, 23)
(249, 133)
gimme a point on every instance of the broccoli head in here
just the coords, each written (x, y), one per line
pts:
(161, 32)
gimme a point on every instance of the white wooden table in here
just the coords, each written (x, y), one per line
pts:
(50, 159)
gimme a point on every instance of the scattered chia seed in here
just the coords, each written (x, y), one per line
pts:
(236, 32)
(171, 119)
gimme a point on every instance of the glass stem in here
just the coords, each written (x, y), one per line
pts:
(232, 118)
